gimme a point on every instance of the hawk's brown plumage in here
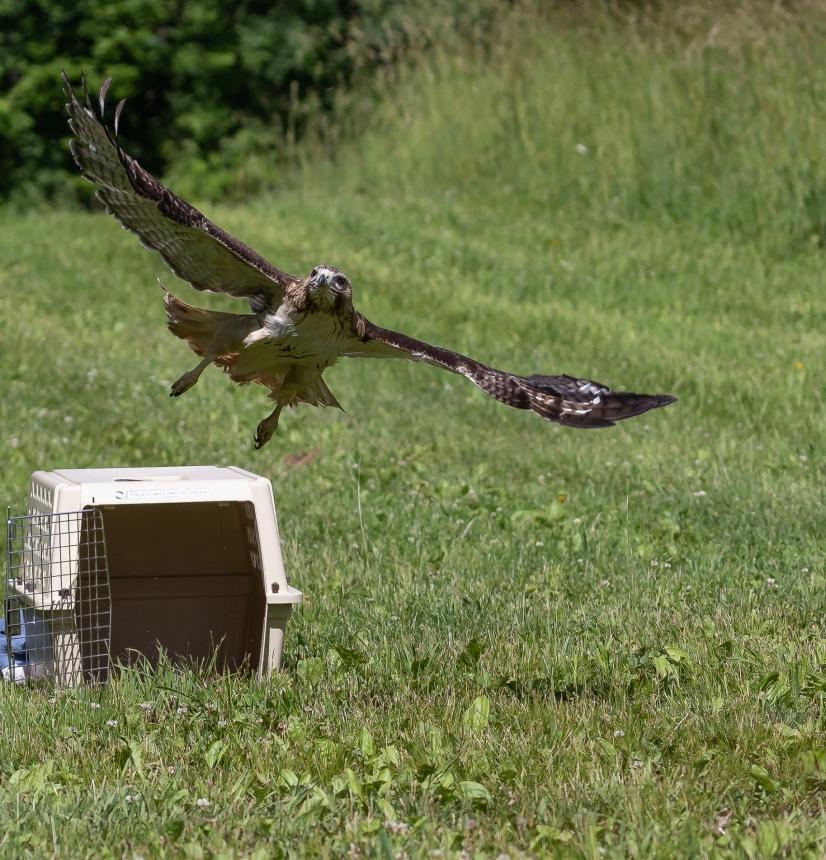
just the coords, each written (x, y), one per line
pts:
(298, 326)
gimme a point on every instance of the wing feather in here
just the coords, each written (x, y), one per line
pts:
(195, 248)
(565, 399)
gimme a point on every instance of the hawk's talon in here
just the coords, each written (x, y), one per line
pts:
(266, 428)
(184, 383)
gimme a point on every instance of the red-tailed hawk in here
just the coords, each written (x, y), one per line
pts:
(298, 327)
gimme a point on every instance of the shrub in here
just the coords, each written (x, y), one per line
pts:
(212, 84)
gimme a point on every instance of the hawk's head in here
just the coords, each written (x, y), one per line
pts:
(328, 288)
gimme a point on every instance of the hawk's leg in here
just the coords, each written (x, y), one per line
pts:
(190, 377)
(267, 427)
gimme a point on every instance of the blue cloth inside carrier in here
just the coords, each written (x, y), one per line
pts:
(28, 651)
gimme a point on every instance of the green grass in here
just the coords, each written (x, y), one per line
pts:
(517, 638)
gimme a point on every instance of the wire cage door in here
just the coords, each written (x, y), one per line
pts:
(58, 605)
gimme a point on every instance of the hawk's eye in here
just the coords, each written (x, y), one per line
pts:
(313, 273)
(339, 281)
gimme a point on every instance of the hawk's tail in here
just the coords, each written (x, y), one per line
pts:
(214, 332)
(194, 325)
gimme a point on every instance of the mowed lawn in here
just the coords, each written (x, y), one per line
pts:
(517, 639)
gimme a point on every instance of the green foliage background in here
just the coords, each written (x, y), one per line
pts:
(218, 90)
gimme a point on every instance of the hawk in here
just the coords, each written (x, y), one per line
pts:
(297, 326)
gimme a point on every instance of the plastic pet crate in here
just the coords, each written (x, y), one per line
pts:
(132, 562)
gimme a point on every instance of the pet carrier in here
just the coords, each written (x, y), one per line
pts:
(123, 563)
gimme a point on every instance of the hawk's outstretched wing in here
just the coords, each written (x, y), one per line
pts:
(569, 401)
(197, 250)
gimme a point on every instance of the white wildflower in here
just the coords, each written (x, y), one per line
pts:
(581, 149)
(202, 802)
(111, 723)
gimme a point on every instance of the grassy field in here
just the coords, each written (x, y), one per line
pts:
(518, 640)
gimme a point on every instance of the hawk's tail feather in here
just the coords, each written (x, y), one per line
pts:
(204, 330)
(188, 322)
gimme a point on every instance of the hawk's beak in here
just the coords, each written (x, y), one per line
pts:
(321, 282)
(321, 288)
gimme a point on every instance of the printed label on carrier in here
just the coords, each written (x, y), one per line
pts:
(143, 493)
(160, 494)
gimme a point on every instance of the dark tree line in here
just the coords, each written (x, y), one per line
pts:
(208, 83)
